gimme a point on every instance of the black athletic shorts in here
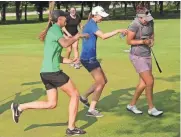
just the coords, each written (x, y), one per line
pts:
(54, 79)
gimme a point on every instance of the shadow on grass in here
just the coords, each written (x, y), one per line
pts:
(82, 117)
(31, 83)
(34, 95)
(175, 78)
(105, 104)
(112, 101)
(45, 125)
(167, 100)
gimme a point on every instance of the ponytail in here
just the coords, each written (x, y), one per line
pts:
(44, 32)
(90, 16)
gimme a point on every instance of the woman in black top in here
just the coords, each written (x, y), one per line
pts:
(71, 29)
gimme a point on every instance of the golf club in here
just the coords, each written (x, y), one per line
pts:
(158, 66)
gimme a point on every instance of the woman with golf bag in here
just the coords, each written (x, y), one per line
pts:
(52, 76)
(141, 37)
(90, 62)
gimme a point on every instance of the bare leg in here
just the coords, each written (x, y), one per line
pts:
(89, 91)
(139, 90)
(68, 51)
(100, 81)
(149, 81)
(70, 89)
(51, 102)
(76, 51)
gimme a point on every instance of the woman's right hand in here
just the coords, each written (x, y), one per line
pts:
(85, 35)
(69, 35)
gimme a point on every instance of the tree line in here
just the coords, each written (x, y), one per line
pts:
(41, 6)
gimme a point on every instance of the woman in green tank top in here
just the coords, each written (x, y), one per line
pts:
(51, 74)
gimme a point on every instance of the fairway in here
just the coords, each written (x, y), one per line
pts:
(21, 54)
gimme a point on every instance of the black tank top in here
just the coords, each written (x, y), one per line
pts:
(72, 24)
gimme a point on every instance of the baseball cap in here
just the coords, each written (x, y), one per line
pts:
(144, 13)
(57, 13)
(98, 10)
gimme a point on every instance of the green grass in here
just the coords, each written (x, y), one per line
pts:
(21, 54)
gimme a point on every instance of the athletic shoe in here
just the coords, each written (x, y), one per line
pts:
(94, 113)
(85, 102)
(76, 131)
(154, 112)
(15, 112)
(77, 66)
(134, 109)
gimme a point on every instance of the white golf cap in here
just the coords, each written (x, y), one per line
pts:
(98, 10)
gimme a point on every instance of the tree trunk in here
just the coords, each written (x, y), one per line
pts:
(21, 10)
(91, 4)
(3, 13)
(17, 3)
(161, 7)
(133, 3)
(125, 9)
(40, 13)
(114, 10)
(106, 5)
(25, 11)
(96, 3)
(67, 7)
(58, 5)
(148, 5)
(178, 5)
(82, 10)
(155, 6)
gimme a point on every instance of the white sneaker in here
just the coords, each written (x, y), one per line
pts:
(154, 112)
(134, 109)
(77, 66)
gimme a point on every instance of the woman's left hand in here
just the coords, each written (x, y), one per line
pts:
(152, 43)
(123, 31)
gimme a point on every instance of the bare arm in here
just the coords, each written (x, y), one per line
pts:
(65, 60)
(132, 41)
(65, 36)
(68, 42)
(104, 36)
(65, 31)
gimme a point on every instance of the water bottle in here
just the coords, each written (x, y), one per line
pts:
(122, 35)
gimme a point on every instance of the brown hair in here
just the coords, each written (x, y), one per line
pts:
(90, 16)
(44, 32)
(73, 8)
(140, 9)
